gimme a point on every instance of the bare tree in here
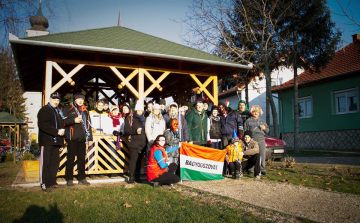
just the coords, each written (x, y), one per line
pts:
(347, 12)
(244, 31)
(15, 15)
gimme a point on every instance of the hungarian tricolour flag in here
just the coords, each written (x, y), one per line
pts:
(200, 163)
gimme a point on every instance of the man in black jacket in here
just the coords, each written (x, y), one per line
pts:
(51, 141)
(77, 134)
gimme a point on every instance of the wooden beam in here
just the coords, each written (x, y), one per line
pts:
(48, 82)
(215, 90)
(203, 86)
(127, 66)
(141, 86)
(128, 78)
(66, 77)
(127, 83)
(156, 83)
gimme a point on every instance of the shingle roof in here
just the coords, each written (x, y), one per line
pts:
(126, 39)
(6, 118)
(344, 61)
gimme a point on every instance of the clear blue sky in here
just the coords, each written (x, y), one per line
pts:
(155, 17)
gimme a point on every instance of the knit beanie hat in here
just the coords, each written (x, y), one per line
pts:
(248, 132)
(126, 104)
(78, 95)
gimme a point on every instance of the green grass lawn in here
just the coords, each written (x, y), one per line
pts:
(324, 176)
(143, 203)
(116, 203)
(323, 153)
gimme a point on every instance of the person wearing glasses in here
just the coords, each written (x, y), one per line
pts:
(159, 170)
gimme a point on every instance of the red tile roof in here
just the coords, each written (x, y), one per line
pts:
(344, 61)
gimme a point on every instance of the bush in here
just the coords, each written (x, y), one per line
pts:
(9, 157)
(27, 156)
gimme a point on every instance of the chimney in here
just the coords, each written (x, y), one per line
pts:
(39, 24)
(356, 37)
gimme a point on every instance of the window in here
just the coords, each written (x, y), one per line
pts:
(305, 107)
(273, 82)
(346, 101)
(193, 98)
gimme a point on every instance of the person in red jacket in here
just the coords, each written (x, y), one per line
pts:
(158, 170)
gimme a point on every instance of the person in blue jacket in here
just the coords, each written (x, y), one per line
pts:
(158, 169)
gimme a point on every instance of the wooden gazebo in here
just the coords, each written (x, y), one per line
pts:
(118, 59)
(7, 121)
(69, 62)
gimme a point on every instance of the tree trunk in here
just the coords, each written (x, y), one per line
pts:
(270, 101)
(247, 90)
(296, 110)
(15, 144)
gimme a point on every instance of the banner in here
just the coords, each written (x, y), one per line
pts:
(201, 163)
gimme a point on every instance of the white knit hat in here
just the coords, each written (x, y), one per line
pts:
(156, 106)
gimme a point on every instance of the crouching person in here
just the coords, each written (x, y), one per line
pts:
(158, 170)
(251, 157)
(234, 157)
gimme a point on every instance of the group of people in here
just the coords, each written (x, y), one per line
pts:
(151, 132)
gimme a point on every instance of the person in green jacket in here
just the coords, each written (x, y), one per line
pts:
(197, 124)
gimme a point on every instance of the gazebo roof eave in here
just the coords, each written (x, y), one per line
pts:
(15, 40)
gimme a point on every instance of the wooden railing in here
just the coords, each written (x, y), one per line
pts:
(101, 157)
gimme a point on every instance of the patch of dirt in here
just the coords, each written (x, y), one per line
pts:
(314, 204)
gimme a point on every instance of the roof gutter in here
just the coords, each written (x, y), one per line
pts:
(15, 39)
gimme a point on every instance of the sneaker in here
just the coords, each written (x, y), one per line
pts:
(45, 189)
(70, 183)
(84, 182)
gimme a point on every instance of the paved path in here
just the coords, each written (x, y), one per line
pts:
(314, 204)
(330, 160)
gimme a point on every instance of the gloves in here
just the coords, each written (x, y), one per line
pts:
(116, 133)
(209, 142)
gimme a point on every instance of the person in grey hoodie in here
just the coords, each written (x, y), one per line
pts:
(259, 128)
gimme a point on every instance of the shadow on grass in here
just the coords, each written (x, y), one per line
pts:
(35, 213)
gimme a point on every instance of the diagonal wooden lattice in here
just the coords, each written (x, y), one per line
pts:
(100, 158)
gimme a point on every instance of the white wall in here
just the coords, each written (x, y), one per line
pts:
(257, 90)
(32, 105)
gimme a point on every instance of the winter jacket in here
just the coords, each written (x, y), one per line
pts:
(234, 153)
(98, 120)
(249, 149)
(230, 122)
(172, 139)
(157, 163)
(183, 126)
(214, 126)
(133, 139)
(254, 126)
(245, 115)
(154, 127)
(77, 131)
(49, 123)
(197, 126)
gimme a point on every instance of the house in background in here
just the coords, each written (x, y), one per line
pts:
(328, 103)
(32, 106)
(257, 91)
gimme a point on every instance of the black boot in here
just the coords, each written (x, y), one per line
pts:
(131, 178)
(234, 175)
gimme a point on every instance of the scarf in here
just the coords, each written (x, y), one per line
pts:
(115, 119)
